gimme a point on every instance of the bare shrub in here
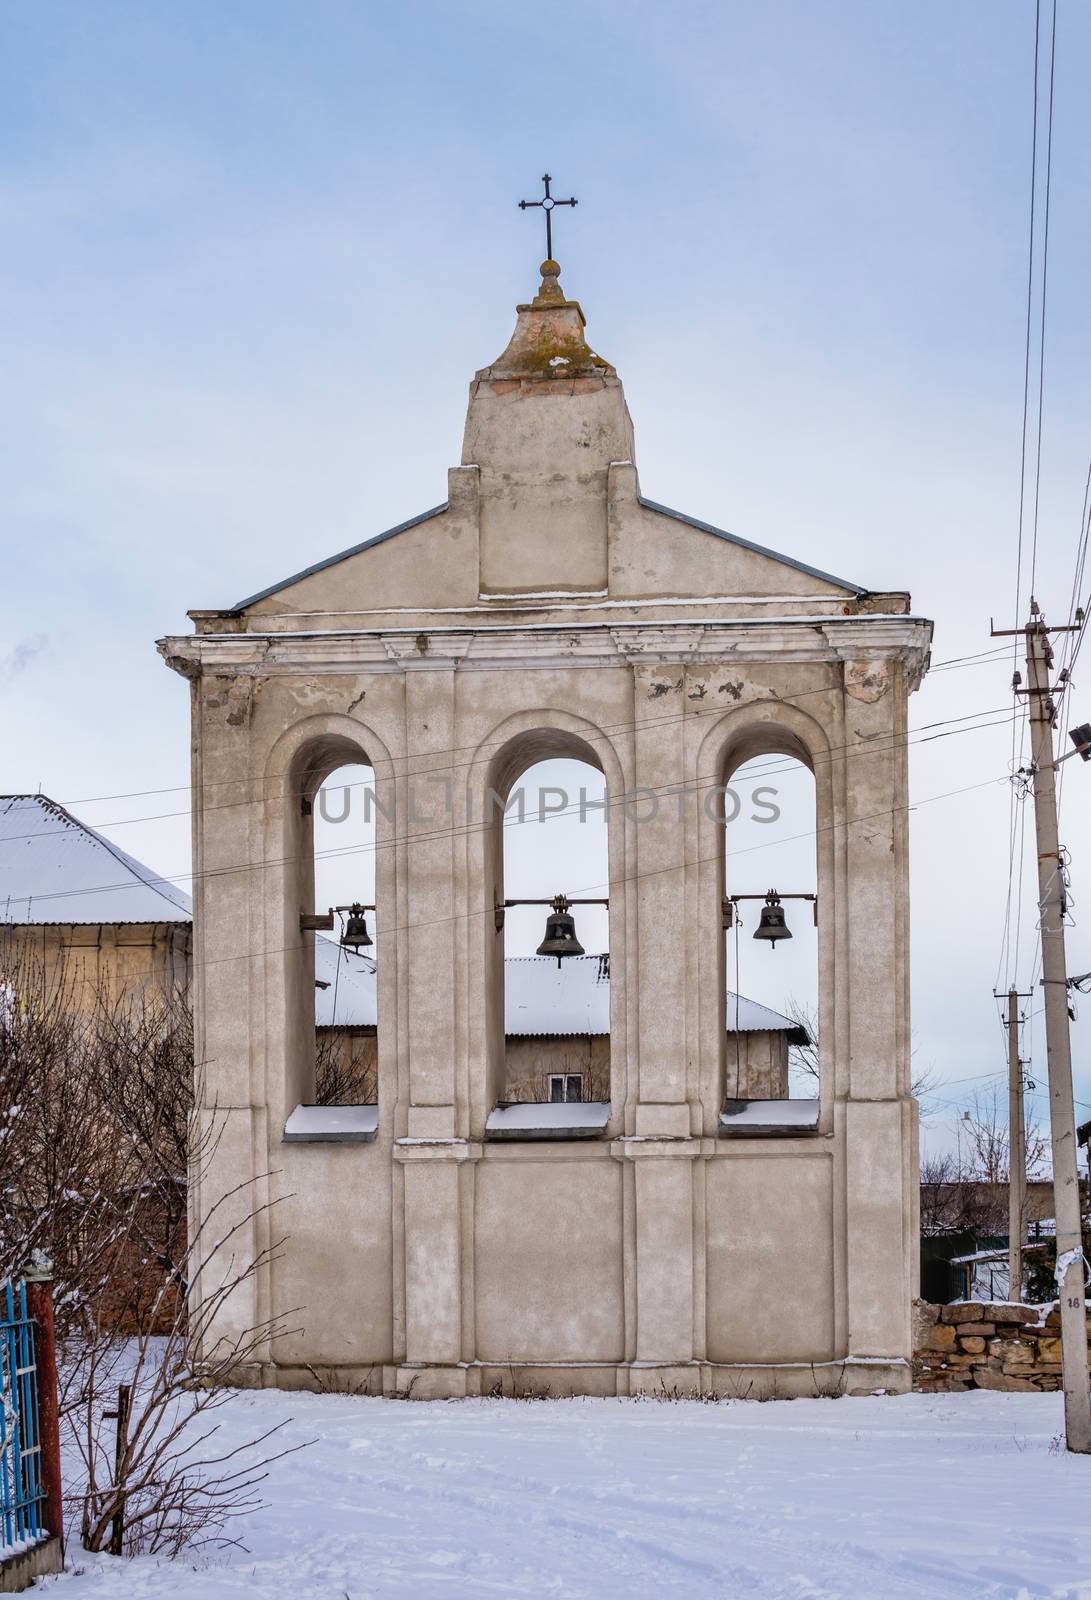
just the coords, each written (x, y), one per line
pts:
(100, 1136)
(163, 1480)
(342, 1078)
(804, 1060)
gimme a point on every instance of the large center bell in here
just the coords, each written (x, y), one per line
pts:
(560, 933)
(771, 924)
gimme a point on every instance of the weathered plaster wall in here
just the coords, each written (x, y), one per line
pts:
(661, 1255)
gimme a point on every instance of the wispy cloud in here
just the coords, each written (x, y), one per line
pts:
(18, 659)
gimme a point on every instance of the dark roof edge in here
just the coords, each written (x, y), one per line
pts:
(331, 561)
(758, 549)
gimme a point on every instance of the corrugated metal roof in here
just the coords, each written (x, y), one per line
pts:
(350, 1000)
(54, 868)
(541, 1000)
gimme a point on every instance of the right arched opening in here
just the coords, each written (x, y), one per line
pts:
(771, 1075)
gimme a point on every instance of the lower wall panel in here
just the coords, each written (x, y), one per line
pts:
(334, 1279)
(770, 1289)
(548, 1263)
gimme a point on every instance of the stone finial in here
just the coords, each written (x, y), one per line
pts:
(550, 293)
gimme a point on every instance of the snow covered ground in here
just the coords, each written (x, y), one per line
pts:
(922, 1497)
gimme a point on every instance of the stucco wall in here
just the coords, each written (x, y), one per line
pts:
(449, 658)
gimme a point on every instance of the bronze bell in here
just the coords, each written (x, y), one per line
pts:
(560, 933)
(771, 924)
(356, 936)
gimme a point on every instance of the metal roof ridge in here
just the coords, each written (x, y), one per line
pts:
(748, 544)
(343, 555)
(145, 876)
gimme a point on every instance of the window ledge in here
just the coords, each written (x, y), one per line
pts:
(584, 1119)
(784, 1118)
(332, 1125)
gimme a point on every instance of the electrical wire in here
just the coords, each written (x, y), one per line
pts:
(1043, 296)
(667, 791)
(628, 879)
(429, 754)
(927, 732)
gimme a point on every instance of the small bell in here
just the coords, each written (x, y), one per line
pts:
(771, 924)
(356, 936)
(560, 933)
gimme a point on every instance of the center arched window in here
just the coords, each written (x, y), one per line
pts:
(551, 955)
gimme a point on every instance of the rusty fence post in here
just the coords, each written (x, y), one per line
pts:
(39, 1281)
(121, 1416)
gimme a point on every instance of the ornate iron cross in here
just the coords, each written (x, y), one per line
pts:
(547, 205)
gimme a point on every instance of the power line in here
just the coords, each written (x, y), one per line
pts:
(665, 791)
(215, 783)
(1029, 317)
(631, 878)
(897, 741)
(1045, 274)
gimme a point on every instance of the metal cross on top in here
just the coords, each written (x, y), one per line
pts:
(547, 205)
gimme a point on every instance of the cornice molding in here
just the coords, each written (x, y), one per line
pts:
(905, 639)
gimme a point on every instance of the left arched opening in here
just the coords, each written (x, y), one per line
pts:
(332, 936)
(346, 1010)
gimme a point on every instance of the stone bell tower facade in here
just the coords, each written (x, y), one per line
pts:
(547, 609)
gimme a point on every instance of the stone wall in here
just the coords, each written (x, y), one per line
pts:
(972, 1345)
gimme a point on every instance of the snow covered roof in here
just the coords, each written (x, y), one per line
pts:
(541, 999)
(544, 998)
(350, 999)
(54, 868)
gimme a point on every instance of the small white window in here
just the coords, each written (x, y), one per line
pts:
(565, 1088)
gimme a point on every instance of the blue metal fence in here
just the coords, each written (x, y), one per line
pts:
(22, 1499)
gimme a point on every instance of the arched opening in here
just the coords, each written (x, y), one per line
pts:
(771, 1077)
(346, 958)
(550, 969)
(333, 938)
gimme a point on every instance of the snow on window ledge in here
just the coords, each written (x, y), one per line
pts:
(332, 1125)
(749, 1117)
(579, 1119)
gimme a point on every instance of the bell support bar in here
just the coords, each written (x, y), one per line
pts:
(731, 900)
(555, 902)
(322, 921)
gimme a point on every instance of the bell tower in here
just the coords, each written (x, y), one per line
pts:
(545, 422)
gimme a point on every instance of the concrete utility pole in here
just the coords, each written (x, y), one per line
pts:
(1062, 1118)
(1017, 1153)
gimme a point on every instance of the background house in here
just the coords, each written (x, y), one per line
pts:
(68, 895)
(557, 1029)
(964, 1236)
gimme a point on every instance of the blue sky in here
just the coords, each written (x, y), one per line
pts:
(250, 255)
